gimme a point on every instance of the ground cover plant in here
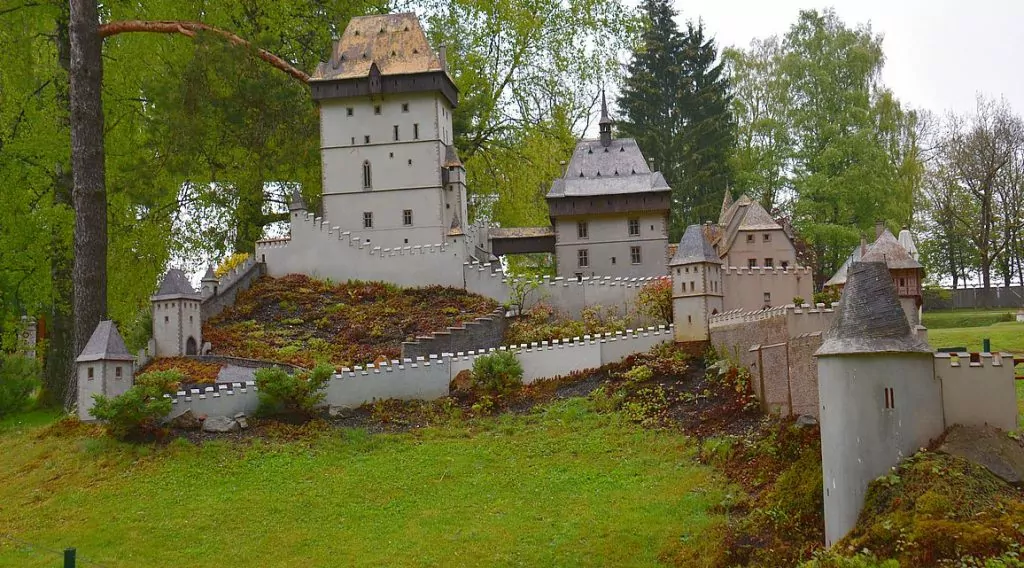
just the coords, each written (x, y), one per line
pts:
(302, 321)
(136, 414)
(293, 395)
(561, 485)
(543, 323)
(193, 371)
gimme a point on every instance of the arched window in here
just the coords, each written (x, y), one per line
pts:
(367, 175)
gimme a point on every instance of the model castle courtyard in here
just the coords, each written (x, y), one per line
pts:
(394, 209)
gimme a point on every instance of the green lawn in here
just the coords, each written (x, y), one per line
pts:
(966, 318)
(1006, 336)
(560, 487)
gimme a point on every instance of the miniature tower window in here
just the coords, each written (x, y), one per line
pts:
(376, 109)
(416, 131)
(395, 128)
(582, 258)
(367, 219)
(890, 399)
(405, 107)
(349, 111)
(407, 217)
(634, 255)
(634, 227)
(582, 230)
(367, 175)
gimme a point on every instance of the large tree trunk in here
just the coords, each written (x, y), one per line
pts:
(59, 368)
(87, 163)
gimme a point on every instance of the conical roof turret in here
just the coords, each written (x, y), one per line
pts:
(605, 124)
(869, 318)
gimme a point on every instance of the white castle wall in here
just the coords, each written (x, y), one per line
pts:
(745, 288)
(322, 251)
(978, 393)
(429, 378)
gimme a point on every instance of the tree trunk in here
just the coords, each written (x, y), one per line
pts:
(87, 163)
(60, 338)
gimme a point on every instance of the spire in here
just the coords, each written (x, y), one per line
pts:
(726, 204)
(210, 275)
(298, 203)
(605, 123)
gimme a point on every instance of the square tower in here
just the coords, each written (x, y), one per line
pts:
(177, 320)
(696, 285)
(104, 367)
(386, 139)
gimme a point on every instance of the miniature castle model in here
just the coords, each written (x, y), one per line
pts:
(697, 291)
(609, 211)
(104, 367)
(177, 317)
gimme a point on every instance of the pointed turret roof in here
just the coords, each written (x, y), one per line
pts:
(869, 318)
(605, 119)
(726, 204)
(105, 344)
(298, 202)
(693, 247)
(175, 285)
(210, 274)
(885, 249)
(906, 239)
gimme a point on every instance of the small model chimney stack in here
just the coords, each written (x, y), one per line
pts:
(879, 228)
(442, 54)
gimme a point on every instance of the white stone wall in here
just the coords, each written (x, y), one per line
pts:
(608, 244)
(778, 248)
(174, 322)
(429, 378)
(976, 394)
(745, 288)
(387, 207)
(104, 382)
(322, 251)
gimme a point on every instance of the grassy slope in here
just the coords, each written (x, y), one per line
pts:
(1007, 336)
(303, 321)
(942, 319)
(564, 487)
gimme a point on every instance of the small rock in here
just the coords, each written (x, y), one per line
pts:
(186, 421)
(340, 412)
(221, 425)
(242, 422)
(806, 420)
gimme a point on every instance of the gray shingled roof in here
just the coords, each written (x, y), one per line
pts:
(105, 345)
(744, 214)
(451, 157)
(210, 274)
(175, 285)
(694, 247)
(598, 170)
(869, 318)
(885, 249)
(298, 202)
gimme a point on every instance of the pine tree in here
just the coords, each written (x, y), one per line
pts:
(676, 105)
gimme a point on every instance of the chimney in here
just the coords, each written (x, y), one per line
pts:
(650, 163)
(879, 228)
(335, 56)
(442, 54)
(863, 246)
(562, 164)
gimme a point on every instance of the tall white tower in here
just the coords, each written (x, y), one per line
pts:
(177, 323)
(696, 286)
(386, 103)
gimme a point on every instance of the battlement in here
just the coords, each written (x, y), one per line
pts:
(236, 273)
(766, 271)
(977, 389)
(748, 316)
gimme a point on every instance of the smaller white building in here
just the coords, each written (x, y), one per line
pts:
(697, 293)
(104, 367)
(177, 321)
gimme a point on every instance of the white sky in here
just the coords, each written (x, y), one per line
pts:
(939, 53)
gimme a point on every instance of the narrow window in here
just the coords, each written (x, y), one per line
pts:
(767, 237)
(691, 286)
(353, 140)
(687, 269)
(367, 219)
(767, 298)
(117, 372)
(166, 319)
(785, 264)
(395, 128)
(407, 217)
(634, 227)
(769, 262)
(376, 109)
(89, 372)
(751, 263)
(581, 230)
(416, 131)
(349, 111)
(367, 175)
(366, 139)
(890, 398)
(689, 319)
(634, 255)
(405, 107)
(613, 260)
(582, 258)
(902, 282)
(750, 238)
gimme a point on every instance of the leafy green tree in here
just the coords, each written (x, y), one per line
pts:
(676, 104)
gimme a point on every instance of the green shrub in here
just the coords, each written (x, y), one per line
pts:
(828, 296)
(798, 300)
(296, 395)
(498, 373)
(136, 414)
(638, 374)
(19, 378)
(831, 559)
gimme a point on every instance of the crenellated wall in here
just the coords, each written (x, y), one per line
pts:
(239, 279)
(975, 393)
(745, 288)
(428, 378)
(481, 333)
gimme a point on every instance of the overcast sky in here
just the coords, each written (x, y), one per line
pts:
(939, 53)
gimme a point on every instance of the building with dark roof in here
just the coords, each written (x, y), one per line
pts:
(609, 210)
(749, 237)
(104, 367)
(177, 321)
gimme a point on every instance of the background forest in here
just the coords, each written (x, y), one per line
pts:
(204, 142)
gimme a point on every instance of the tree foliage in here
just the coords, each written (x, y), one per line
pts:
(676, 103)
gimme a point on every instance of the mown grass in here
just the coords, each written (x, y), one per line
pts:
(944, 319)
(1008, 337)
(563, 486)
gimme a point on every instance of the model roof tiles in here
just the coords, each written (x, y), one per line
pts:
(394, 42)
(175, 285)
(886, 248)
(596, 170)
(694, 247)
(869, 318)
(105, 344)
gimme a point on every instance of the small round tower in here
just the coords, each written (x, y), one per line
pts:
(878, 396)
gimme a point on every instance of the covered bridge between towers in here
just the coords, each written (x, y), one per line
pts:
(521, 240)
